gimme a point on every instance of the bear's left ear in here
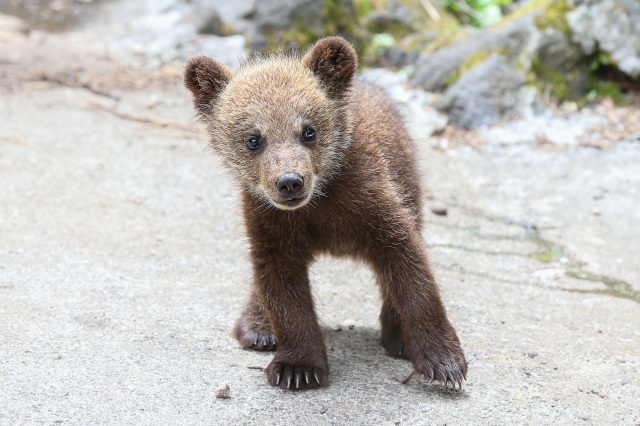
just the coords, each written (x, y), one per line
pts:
(206, 79)
(334, 62)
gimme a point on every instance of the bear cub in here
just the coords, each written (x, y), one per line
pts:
(323, 164)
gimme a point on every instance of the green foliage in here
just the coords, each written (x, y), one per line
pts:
(604, 89)
(599, 60)
(598, 88)
(479, 13)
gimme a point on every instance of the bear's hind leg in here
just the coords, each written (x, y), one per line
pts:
(253, 329)
(391, 339)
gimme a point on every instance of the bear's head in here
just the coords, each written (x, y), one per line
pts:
(282, 124)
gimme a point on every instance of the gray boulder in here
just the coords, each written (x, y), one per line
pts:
(298, 21)
(433, 71)
(484, 95)
(612, 26)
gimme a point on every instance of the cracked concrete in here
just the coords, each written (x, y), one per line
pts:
(123, 266)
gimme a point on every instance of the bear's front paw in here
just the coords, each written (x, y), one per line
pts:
(442, 361)
(297, 377)
(254, 335)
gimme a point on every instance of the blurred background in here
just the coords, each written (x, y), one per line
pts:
(490, 59)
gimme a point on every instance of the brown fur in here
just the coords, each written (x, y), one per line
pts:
(361, 198)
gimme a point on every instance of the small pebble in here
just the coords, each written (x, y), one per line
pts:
(595, 212)
(350, 324)
(222, 391)
(337, 327)
(439, 209)
(323, 410)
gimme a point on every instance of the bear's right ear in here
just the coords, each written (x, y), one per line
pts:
(334, 62)
(206, 79)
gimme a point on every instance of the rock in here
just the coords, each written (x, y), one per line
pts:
(222, 391)
(439, 209)
(433, 72)
(557, 51)
(612, 26)
(233, 11)
(12, 24)
(227, 50)
(211, 22)
(559, 63)
(301, 22)
(395, 57)
(394, 20)
(350, 324)
(484, 95)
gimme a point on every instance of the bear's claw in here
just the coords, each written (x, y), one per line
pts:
(296, 377)
(258, 336)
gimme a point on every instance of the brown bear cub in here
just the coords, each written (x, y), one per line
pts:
(324, 164)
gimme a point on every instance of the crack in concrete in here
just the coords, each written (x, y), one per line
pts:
(615, 287)
(474, 250)
(548, 252)
(552, 251)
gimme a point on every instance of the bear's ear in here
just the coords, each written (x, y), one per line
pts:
(206, 79)
(334, 62)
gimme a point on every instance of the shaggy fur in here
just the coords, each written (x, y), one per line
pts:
(360, 198)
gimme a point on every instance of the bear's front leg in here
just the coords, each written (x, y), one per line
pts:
(281, 280)
(412, 301)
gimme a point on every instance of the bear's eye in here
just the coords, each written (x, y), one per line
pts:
(254, 142)
(309, 134)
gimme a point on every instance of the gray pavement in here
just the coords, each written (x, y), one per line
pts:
(123, 265)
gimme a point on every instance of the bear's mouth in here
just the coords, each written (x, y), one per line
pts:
(293, 202)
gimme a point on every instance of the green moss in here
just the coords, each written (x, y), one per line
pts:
(531, 7)
(555, 16)
(549, 252)
(446, 37)
(395, 27)
(341, 19)
(364, 7)
(544, 78)
(473, 61)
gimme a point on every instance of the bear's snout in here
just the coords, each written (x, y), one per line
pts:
(289, 184)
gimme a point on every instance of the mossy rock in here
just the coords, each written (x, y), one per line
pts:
(560, 67)
(473, 61)
(554, 15)
(303, 23)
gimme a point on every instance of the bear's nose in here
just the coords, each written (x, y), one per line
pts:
(290, 183)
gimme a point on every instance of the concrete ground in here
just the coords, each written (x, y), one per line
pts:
(123, 265)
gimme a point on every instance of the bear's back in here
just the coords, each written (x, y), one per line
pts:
(379, 130)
